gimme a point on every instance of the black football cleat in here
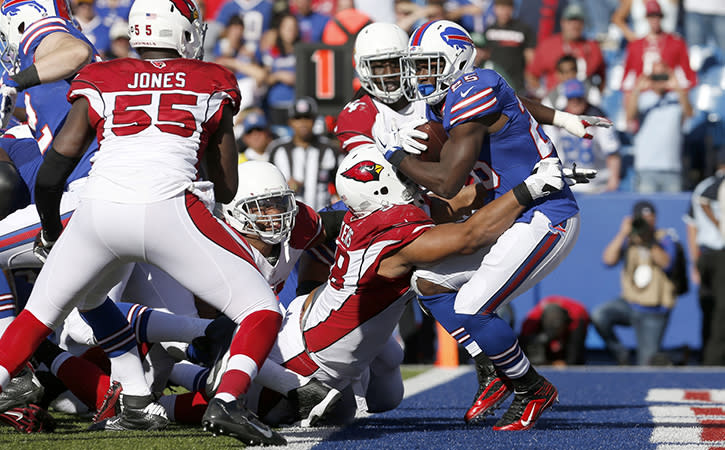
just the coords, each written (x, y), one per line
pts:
(137, 412)
(313, 401)
(235, 420)
(29, 419)
(22, 390)
(492, 391)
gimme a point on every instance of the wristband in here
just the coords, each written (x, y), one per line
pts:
(26, 78)
(522, 194)
(397, 157)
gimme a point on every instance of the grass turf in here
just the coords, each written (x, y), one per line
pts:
(71, 433)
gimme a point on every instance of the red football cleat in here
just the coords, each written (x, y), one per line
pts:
(527, 407)
(492, 391)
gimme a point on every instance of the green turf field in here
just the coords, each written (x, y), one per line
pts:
(71, 434)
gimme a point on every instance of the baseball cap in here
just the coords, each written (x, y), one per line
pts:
(643, 207)
(574, 89)
(652, 8)
(573, 12)
(303, 107)
(254, 120)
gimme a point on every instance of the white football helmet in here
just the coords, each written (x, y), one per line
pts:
(174, 24)
(376, 42)
(16, 16)
(441, 50)
(264, 205)
(367, 182)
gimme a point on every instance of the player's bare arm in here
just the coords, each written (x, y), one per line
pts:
(481, 229)
(221, 158)
(458, 156)
(59, 56)
(468, 199)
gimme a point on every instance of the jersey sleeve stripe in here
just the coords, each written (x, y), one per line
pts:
(468, 101)
(474, 111)
(355, 141)
(36, 34)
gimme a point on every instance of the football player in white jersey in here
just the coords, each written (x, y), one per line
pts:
(342, 332)
(144, 201)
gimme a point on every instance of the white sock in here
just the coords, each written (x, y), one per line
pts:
(279, 378)
(127, 369)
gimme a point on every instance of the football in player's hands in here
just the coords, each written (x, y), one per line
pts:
(437, 136)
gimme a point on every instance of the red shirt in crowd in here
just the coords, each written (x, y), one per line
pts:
(549, 51)
(668, 48)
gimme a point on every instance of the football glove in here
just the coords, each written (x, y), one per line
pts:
(578, 176)
(546, 178)
(42, 246)
(391, 135)
(577, 125)
(8, 97)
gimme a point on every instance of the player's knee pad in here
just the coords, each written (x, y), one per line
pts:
(10, 188)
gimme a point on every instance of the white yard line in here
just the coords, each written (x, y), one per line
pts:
(306, 438)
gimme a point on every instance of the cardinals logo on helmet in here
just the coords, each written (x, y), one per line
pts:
(187, 8)
(364, 171)
(456, 38)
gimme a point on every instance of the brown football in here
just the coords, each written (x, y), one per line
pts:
(436, 138)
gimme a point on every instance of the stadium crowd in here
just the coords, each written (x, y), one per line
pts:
(651, 66)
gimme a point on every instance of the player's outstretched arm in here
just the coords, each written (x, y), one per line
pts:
(60, 56)
(576, 125)
(482, 228)
(221, 158)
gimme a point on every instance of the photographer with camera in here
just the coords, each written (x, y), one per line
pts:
(651, 260)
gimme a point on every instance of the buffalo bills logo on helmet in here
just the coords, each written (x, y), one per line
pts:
(187, 8)
(364, 171)
(456, 38)
(10, 6)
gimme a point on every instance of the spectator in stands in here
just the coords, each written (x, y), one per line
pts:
(257, 16)
(571, 41)
(656, 109)
(704, 19)
(566, 69)
(510, 43)
(704, 244)
(648, 290)
(120, 46)
(345, 24)
(554, 332)
(636, 13)
(241, 57)
(308, 162)
(311, 23)
(92, 25)
(256, 137)
(280, 63)
(712, 268)
(113, 10)
(410, 15)
(600, 153)
(656, 46)
(474, 16)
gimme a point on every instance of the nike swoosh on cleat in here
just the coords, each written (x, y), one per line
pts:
(15, 414)
(527, 422)
(266, 433)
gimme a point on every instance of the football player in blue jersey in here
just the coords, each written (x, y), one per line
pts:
(495, 137)
(42, 49)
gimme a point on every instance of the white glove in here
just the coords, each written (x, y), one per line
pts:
(409, 134)
(577, 125)
(389, 135)
(8, 97)
(578, 176)
(546, 178)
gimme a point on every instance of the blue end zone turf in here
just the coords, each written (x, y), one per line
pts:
(603, 408)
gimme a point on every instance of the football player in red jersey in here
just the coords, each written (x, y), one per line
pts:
(341, 333)
(155, 118)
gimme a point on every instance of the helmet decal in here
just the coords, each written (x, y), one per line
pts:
(456, 39)
(187, 9)
(364, 171)
(9, 5)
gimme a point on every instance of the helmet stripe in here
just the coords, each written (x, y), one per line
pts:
(418, 35)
